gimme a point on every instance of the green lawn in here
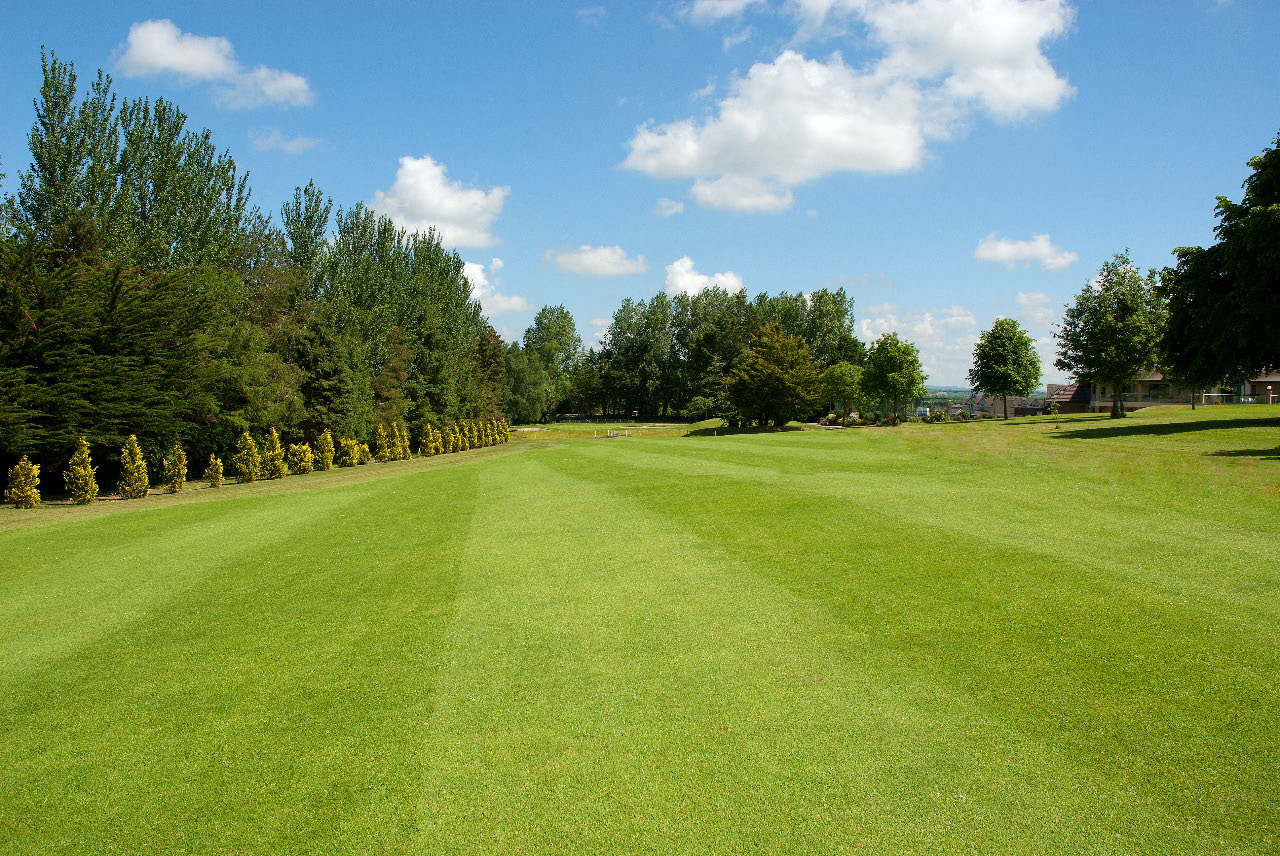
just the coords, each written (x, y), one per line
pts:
(1046, 636)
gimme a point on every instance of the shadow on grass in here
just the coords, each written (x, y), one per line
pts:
(1264, 454)
(1162, 429)
(724, 432)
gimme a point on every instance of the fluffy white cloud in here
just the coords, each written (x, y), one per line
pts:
(796, 119)
(597, 261)
(493, 302)
(423, 196)
(1036, 309)
(668, 207)
(704, 11)
(737, 193)
(682, 278)
(945, 338)
(158, 47)
(275, 140)
(599, 326)
(1011, 253)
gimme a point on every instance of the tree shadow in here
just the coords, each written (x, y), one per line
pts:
(1261, 454)
(1163, 429)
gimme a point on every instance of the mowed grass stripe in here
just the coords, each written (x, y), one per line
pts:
(262, 694)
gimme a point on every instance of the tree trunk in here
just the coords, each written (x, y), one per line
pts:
(1117, 409)
(1006, 406)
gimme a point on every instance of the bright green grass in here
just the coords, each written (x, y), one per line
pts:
(1046, 636)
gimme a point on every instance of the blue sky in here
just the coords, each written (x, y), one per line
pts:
(947, 163)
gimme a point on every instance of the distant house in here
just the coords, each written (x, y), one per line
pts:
(1069, 397)
(976, 405)
(1153, 389)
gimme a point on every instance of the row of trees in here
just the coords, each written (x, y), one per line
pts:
(142, 292)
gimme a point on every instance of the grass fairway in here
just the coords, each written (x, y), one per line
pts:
(1047, 636)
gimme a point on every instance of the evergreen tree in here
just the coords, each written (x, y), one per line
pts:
(81, 484)
(776, 380)
(246, 459)
(213, 471)
(324, 451)
(273, 465)
(133, 478)
(24, 484)
(175, 470)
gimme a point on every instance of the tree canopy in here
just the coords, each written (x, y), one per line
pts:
(893, 372)
(776, 380)
(1005, 362)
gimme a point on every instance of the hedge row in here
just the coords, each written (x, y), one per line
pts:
(250, 463)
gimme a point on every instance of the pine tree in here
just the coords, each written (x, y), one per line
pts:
(175, 470)
(300, 458)
(24, 484)
(382, 445)
(246, 459)
(133, 478)
(324, 451)
(81, 484)
(273, 457)
(213, 472)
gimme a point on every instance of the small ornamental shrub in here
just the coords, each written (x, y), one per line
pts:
(473, 436)
(348, 452)
(382, 445)
(300, 458)
(246, 459)
(175, 470)
(81, 484)
(24, 484)
(402, 434)
(213, 472)
(365, 455)
(324, 451)
(273, 457)
(133, 476)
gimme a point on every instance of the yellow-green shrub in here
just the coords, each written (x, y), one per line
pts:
(81, 484)
(324, 451)
(213, 472)
(348, 452)
(175, 470)
(300, 458)
(133, 477)
(273, 457)
(365, 455)
(402, 444)
(24, 484)
(246, 459)
(382, 445)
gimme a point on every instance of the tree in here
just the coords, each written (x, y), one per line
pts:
(1005, 362)
(893, 372)
(133, 478)
(175, 469)
(842, 384)
(524, 396)
(79, 478)
(553, 336)
(776, 380)
(1113, 331)
(1224, 300)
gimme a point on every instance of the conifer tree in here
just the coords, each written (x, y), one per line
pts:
(349, 454)
(382, 445)
(81, 484)
(273, 466)
(213, 472)
(246, 459)
(24, 484)
(133, 477)
(301, 460)
(175, 470)
(324, 451)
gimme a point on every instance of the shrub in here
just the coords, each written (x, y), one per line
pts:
(81, 484)
(324, 451)
(365, 455)
(348, 452)
(382, 445)
(133, 477)
(213, 472)
(175, 470)
(402, 435)
(273, 457)
(300, 458)
(246, 459)
(24, 484)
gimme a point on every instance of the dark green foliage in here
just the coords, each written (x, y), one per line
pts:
(175, 470)
(776, 380)
(82, 486)
(134, 483)
(893, 373)
(23, 486)
(1005, 362)
(1224, 300)
(842, 387)
(527, 386)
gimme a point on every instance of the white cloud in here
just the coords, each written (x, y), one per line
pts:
(158, 47)
(275, 140)
(706, 91)
(592, 15)
(1010, 253)
(597, 261)
(945, 337)
(423, 196)
(683, 279)
(737, 193)
(704, 11)
(1036, 309)
(732, 40)
(599, 327)
(796, 119)
(667, 207)
(493, 302)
